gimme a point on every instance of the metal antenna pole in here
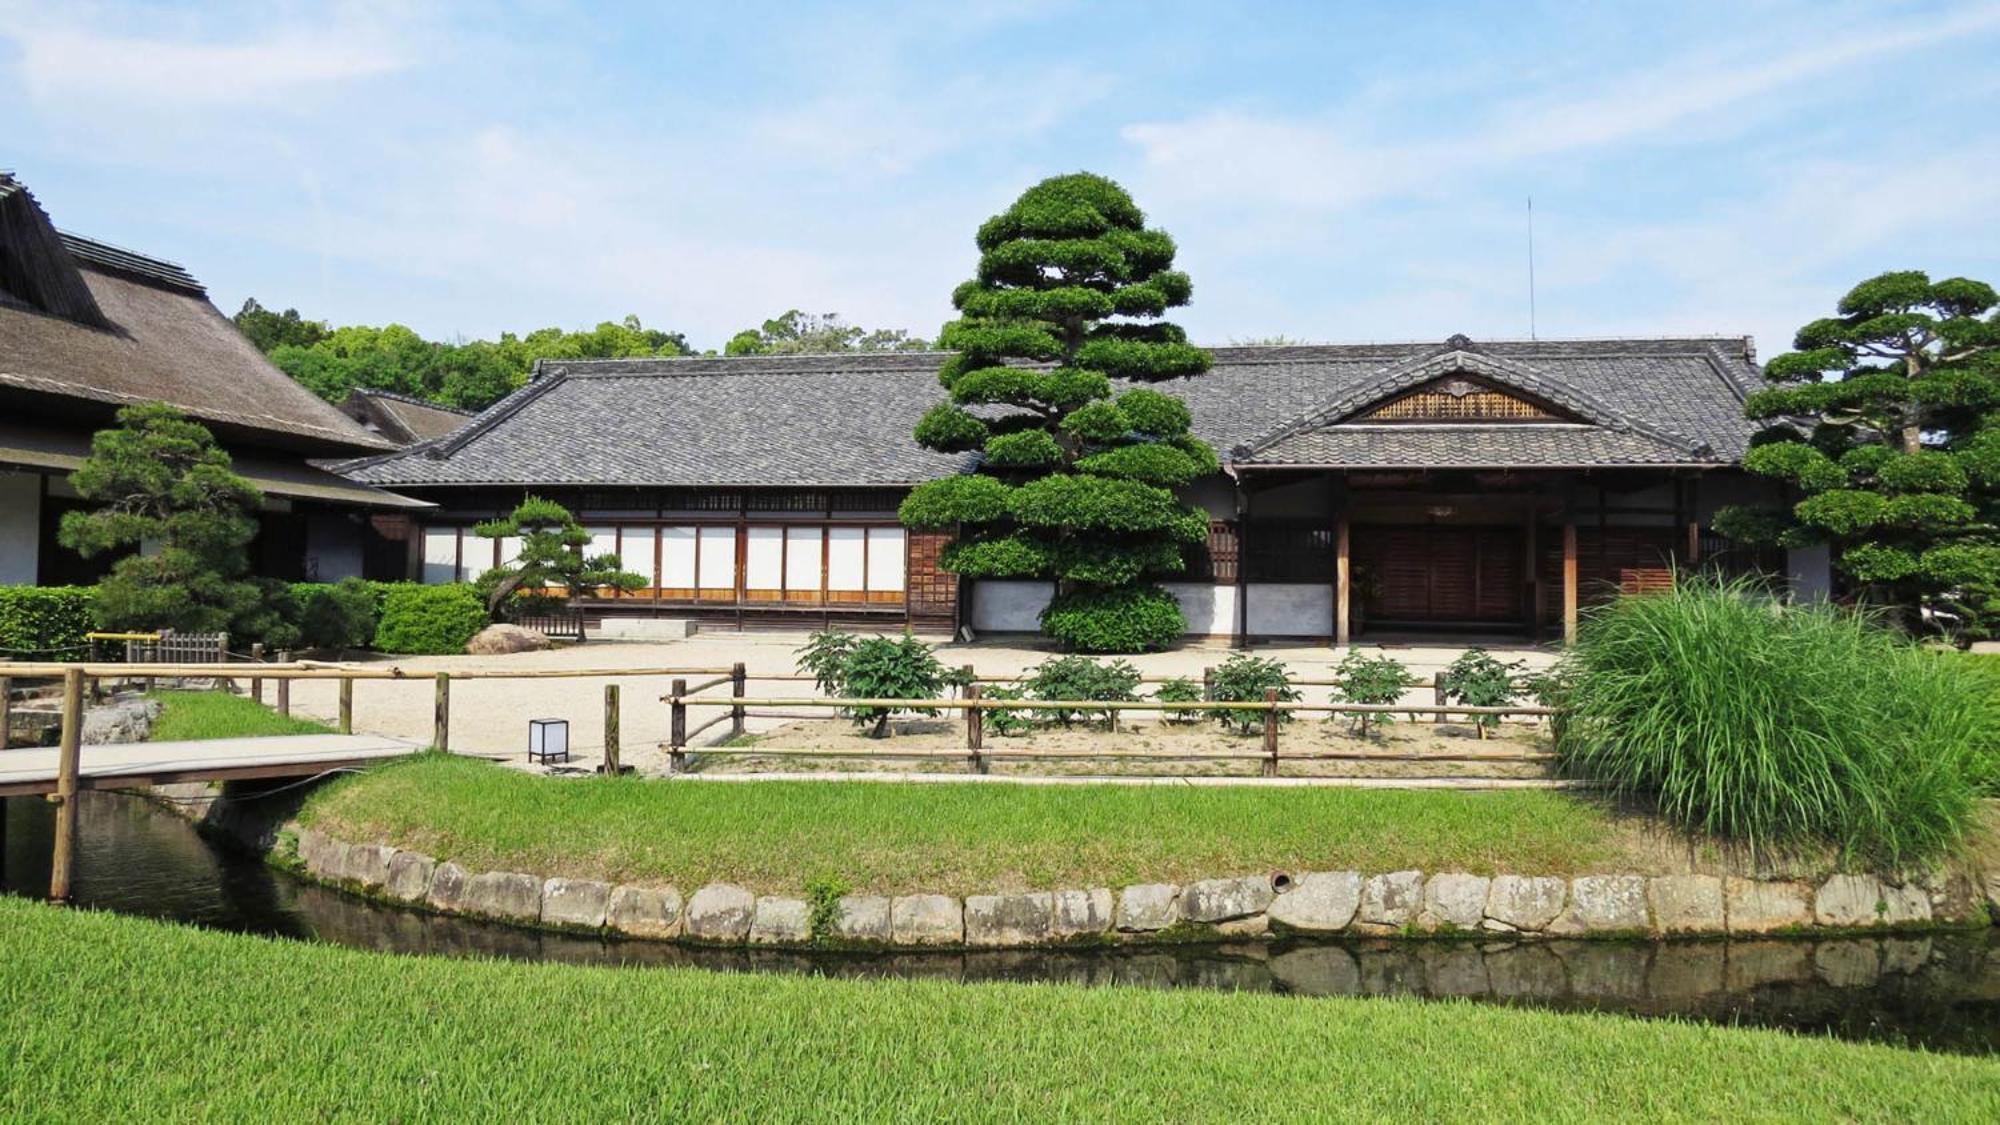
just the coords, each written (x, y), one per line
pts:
(1531, 268)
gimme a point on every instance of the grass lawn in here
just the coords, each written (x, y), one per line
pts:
(121, 1018)
(884, 836)
(214, 714)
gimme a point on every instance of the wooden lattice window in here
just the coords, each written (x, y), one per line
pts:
(1459, 400)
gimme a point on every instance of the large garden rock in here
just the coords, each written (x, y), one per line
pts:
(1079, 913)
(926, 920)
(646, 912)
(720, 912)
(1849, 901)
(1222, 900)
(1148, 907)
(1757, 906)
(307, 846)
(1392, 900)
(1321, 902)
(781, 921)
(368, 865)
(1905, 904)
(582, 903)
(448, 888)
(1454, 900)
(409, 876)
(508, 895)
(125, 719)
(997, 920)
(1686, 904)
(1522, 902)
(1600, 904)
(502, 640)
(863, 918)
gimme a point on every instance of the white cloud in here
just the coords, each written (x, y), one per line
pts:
(67, 63)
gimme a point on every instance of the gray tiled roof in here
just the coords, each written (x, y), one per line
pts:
(846, 419)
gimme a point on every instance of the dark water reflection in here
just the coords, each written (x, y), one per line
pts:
(1940, 991)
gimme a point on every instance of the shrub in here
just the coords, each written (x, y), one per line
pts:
(1767, 722)
(1007, 721)
(44, 622)
(1244, 678)
(824, 655)
(1180, 689)
(879, 668)
(1478, 679)
(429, 620)
(1079, 677)
(342, 615)
(1117, 620)
(1371, 680)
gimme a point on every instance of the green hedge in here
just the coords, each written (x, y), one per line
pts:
(1123, 619)
(429, 620)
(37, 621)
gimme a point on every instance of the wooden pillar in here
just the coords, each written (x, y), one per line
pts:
(1694, 542)
(285, 688)
(739, 678)
(677, 727)
(441, 720)
(1271, 733)
(68, 762)
(6, 712)
(347, 705)
(611, 730)
(1531, 566)
(1569, 579)
(257, 682)
(975, 729)
(1343, 585)
(1242, 631)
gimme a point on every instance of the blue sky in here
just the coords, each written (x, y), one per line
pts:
(1332, 172)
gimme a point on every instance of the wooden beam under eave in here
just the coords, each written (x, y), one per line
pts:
(1343, 584)
(1569, 580)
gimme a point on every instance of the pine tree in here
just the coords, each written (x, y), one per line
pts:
(550, 558)
(1886, 421)
(1074, 481)
(159, 480)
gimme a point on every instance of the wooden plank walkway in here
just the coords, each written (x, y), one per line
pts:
(32, 771)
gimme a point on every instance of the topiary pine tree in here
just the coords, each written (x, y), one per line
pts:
(550, 557)
(1074, 481)
(159, 480)
(1887, 420)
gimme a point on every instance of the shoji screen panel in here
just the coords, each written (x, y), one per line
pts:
(805, 561)
(846, 564)
(885, 564)
(717, 557)
(677, 562)
(764, 564)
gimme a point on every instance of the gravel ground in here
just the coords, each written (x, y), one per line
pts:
(491, 716)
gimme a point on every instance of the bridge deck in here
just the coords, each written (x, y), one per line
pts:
(24, 772)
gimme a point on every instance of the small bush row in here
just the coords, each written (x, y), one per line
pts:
(44, 622)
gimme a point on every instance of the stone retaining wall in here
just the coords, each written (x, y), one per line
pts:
(1408, 903)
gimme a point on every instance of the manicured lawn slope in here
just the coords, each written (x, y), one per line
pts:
(214, 714)
(119, 1018)
(950, 838)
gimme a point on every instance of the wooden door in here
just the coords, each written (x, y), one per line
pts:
(1441, 575)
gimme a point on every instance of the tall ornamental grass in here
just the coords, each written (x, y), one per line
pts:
(1771, 723)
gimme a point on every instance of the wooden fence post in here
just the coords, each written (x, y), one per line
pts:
(441, 731)
(677, 728)
(6, 714)
(1437, 695)
(257, 682)
(739, 680)
(975, 729)
(285, 688)
(1208, 684)
(68, 761)
(611, 730)
(1271, 733)
(347, 705)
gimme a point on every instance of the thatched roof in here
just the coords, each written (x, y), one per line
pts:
(148, 335)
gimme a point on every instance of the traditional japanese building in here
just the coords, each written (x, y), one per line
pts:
(1461, 487)
(87, 327)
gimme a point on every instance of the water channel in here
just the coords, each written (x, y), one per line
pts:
(1941, 991)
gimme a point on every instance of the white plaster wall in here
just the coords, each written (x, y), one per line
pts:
(1811, 572)
(333, 548)
(20, 528)
(1009, 607)
(1285, 609)
(1210, 609)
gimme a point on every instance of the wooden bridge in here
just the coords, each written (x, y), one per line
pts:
(38, 771)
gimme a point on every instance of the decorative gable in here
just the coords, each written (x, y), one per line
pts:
(1456, 398)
